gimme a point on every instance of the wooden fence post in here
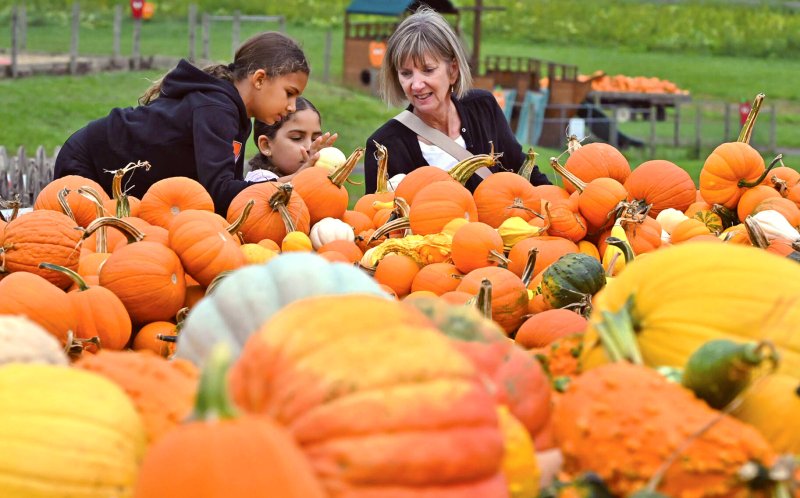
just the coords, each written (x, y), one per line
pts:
(326, 69)
(73, 48)
(206, 36)
(117, 31)
(14, 42)
(5, 164)
(282, 24)
(698, 129)
(773, 129)
(613, 135)
(192, 31)
(235, 28)
(137, 36)
(727, 133)
(653, 131)
(676, 141)
(17, 179)
(23, 25)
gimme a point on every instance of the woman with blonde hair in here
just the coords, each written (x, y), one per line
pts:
(425, 65)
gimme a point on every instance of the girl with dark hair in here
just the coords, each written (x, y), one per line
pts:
(290, 145)
(194, 122)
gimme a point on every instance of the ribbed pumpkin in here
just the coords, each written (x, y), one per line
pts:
(25, 341)
(729, 171)
(767, 406)
(787, 208)
(30, 295)
(162, 391)
(149, 280)
(218, 454)
(437, 204)
(324, 193)
(509, 295)
(323, 383)
(549, 249)
(168, 197)
(503, 195)
(247, 297)
(204, 245)
(100, 312)
(752, 197)
(565, 221)
(66, 433)
(418, 179)
(679, 297)
(687, 229)
(82, 208)
(623, 422)
(663, 184)
(278, 210)
(543, 328)
(643, 236)
(437, 278)
(597, 160)
(38, 237)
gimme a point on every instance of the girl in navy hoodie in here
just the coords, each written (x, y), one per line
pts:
(194, 122)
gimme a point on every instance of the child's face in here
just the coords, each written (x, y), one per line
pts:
(276, 97)
(293, 138)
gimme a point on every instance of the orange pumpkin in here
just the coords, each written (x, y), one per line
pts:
(148, 338)
(729, 171)
(149, 280)
(662, 184)
(437, 204)
(168, 197)
(565, 221)
(437, 278)
(277, 211)
(323, 192)
(359, 221)
(752, 197)
(509, 295)
(28, 294)
(418, 179)
(82, 208)
(688, 229)
(786, 207)
(549, 249)
(476, 245)
(42, 236)
(327, 391)
(457, 297)
(204, 246)
(503, 195)
(597, 160)
(396, 271)
(543, 328)
(163, 392)
(347, 248)
(643, 236)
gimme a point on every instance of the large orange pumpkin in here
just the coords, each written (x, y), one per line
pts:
(549, 249)
(476, 245)
(503, 195)
(82, 208)
(509, 295)
(168, 197)
(421, 177)
(662, 184)
(323, 192)
(729, 171)
(28, 294)
(384, 406)
(597, 160)
(439, 203)
(437, 278)
(278, 210)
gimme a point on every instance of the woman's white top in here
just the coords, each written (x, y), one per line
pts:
(439, 158)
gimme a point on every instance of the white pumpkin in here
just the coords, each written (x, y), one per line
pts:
(669, 219)
(394, 181)
(776, 226)
(330, 158)
(249, 296)
(25, 341)
(330, 229)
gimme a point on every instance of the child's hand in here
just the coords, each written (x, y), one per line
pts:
(309, 160)
(322, 141)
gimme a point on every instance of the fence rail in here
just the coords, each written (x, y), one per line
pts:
(23, 175)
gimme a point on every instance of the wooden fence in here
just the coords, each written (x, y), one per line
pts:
(23, 175)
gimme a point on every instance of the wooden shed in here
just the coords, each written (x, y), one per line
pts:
(365, 41)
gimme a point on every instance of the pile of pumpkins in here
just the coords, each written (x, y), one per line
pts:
(428, 342)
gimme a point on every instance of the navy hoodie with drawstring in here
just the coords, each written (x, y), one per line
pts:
(197, 128)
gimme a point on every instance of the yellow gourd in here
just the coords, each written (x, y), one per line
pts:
(296, 241)
(516, 229)
(680, 297)
(66, 433)
(520, 466)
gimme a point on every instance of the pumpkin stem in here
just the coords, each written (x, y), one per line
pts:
(401, 223)
(13, 204)
(74, 346)
(213, 401)
(573, 144)
(747, 129)
(382, 156)
(526, 170)
(340, 174)
(462, 171)
(757, 181)
(756, 234)
(567, 174)
(62, 201)
(132, 233)
(520, 204)
(483, 301)
(233, 228)
(167, 338)
(279, 201)
(119, 195)
(728, 216)
(618, 335)
(101, 244)
(81, 283)
(527, 273)
(497, 257)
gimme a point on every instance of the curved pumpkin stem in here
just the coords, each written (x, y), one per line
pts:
(401, 223)
(74, 346)
(573, 144)
(462, 171)
(121, 198)
(219, 278)
(756, 234)
(382, 156)
(623, 246)
(233, 228)
(62, 201)
(498, 257)
(567, 174)
(14, 205)
(747, 128)
(131, 233)
(483, 301)
(340, 174)
(279, 202)
(213, 402)
(757, 181)
(727, 215)
(618, 336)
(526, 169)
(101, 244)
(527, 273)
(79, 281)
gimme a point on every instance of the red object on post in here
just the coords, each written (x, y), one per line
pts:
(744, 111)
(137, 7)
